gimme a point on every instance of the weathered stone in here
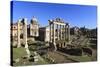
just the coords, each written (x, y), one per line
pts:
(17, 60)
(59, 34)
(18, 32)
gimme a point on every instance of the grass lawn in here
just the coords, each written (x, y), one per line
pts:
(19, 52)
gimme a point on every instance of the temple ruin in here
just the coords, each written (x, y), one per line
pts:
(59, 33)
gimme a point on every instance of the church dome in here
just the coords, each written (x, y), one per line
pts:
(34, 20)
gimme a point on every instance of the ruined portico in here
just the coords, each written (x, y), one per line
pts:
(59, 33)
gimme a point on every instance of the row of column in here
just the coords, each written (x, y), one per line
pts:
(63, 32)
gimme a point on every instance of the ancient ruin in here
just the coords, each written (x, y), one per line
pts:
(59, 33)
(56, 40)
(23, 22)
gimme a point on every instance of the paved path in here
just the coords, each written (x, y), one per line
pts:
(59, 58)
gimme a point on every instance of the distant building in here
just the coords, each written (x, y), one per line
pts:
(74, 30)
(14, 29)
(44, 34)
(32, 29)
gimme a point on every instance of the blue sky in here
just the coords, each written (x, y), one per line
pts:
(75, 15)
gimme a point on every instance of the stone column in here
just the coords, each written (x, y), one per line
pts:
(25, 37)
(18, 33)
(25, 31)
(68, 33)
(64, 33)
(54, 37)
(59, 44)
(50, 32)
(60, 32)
(57, 31)
(63, 45)
(31, 30)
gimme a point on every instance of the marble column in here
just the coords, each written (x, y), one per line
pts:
(18, 33)
(54, 37)
(31, 30)
(25, 31)
(63, 45)
(25, 37)
(59, 44)
(60, 32)
(57, 31)
(64, 33)
(68, 33)
(50, 32)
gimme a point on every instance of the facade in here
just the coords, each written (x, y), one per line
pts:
(13, 29)
(59, 33)
(18, 30)
(74, 30)
(44, 34)
(56, 33)
(34, 27)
